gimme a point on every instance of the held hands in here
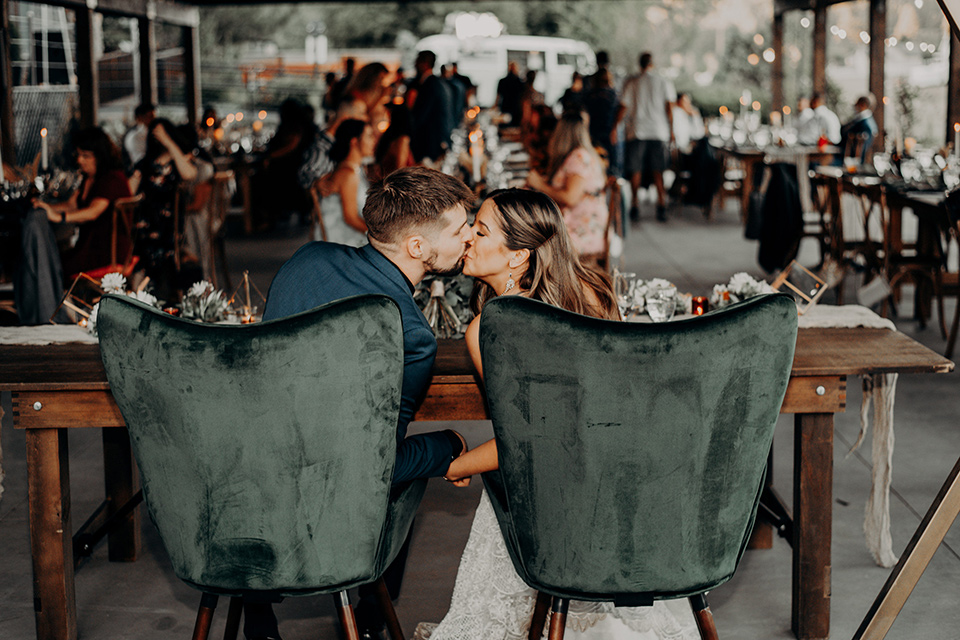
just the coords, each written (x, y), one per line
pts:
(452, 476)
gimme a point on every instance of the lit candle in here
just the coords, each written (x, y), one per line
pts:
(43, 148)
(699, 305)
(476, 153)
(956, 139)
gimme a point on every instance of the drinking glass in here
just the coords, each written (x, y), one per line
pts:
(661, 304)
(623, 285)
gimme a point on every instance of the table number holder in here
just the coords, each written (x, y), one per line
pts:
(806, 287)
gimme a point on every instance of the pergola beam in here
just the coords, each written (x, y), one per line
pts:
(7, 128)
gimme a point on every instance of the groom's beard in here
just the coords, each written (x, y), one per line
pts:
(455, 270)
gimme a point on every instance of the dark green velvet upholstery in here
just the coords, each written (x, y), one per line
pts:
(266, 450)
(631, 455)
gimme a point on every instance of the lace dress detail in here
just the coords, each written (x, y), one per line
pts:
(491, 602)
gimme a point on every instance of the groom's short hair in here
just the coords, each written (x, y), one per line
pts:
(413, 197)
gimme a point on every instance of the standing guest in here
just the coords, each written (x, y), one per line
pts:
(648, 106)
(38, 285)
(431, 113)
(530, 99)
(509, 90)
(601, 104)
(860, 130)
(603, 64)
(393, 148)
(573, 98)
(417, 225)
(687, 123)
(346, 190)
(367, 90)
(340, 87)
(135, 140)
(458, 90)
(575, 180)
(806, 134)
(471, 88)
(329, 82)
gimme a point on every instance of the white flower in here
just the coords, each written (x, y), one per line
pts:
(199, 289)
(741, 282)
(113, 283)
(659, 283)
(147, 298)
(92, 320)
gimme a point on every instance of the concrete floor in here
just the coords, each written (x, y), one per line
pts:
(145, 600)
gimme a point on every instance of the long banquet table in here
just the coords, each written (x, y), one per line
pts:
(63, 386)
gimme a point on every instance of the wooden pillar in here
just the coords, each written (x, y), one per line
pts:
(820, 47)
(191, 68)
(7, 128)
(148, 61)
(953, 86)
(88, 77)
(776, 68)
(878, 34)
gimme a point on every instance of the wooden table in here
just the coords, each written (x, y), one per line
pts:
(57, 387)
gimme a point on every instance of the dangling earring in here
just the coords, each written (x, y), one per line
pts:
(510, 283)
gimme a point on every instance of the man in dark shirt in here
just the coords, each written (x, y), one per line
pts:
(509, 91)
(417, 225)
(431, 112)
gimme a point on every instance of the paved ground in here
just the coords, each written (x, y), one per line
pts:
(145, 601)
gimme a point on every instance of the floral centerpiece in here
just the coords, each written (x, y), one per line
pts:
(741, 286)
(446, 304)
(117, 283)
(204, 303)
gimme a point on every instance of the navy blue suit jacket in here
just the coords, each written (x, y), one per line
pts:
(321, 272)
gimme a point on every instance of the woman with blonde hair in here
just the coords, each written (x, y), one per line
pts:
(521, 248)
(575, 181)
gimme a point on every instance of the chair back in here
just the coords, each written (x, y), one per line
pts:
(266, 450)
(316, 194)
(632, 455)
(124, 218)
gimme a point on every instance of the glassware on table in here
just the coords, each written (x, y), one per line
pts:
(661, 303)
(881, 162)
(624, 283)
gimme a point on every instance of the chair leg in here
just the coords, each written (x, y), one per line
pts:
(704, 617)
(558, 618)
(540, 610)
(232, 629)
(387, 611)
(208, 603)
(952, 338)
(347, 620)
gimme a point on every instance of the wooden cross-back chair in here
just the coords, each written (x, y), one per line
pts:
(317, 191)
(124, 219)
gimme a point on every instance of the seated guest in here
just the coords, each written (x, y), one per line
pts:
(575, 179)
(345, 191)
(859, 132)
(821, 124)
(417, 224)
(135, 140)
(316, 161)
(367, 91)
(687, 123)
(167, 165)
(39, 285)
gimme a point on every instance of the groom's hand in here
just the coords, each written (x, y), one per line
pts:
(457, 481)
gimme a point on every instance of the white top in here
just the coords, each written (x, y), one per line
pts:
(135, 143)
(332, 209)
(686, 128)
(645, 95)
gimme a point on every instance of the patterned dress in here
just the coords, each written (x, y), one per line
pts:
(587, 220)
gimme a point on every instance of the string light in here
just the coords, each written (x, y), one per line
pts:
(770, 55)
(758, 40)
(753, 59)
(805, 22)
(262, 115)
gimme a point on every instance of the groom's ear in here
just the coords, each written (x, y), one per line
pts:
(415, 246)
(520, 257)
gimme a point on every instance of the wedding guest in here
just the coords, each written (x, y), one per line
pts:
(687, 123)
(393, 148)
(601, 104)
(316, 162)
(340, 86)
(860, 130)
(822, 123)
(459, 91)
(648, 106)
(575, 180)
(573, 98)
(520, 248)
(431, 113)
(467, 83)
(39, 284)
(417, 225)
(346, 190)
(367, 91)
(509, 90)
(530, 99)
(135, 140)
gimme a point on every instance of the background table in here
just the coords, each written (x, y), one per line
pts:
(56, 387)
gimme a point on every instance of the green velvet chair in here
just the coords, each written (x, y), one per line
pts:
(631, 455)
(266, 451)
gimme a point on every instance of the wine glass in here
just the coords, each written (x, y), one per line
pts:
(623, 286)
(661, 304)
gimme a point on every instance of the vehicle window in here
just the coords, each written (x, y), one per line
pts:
(567, 59)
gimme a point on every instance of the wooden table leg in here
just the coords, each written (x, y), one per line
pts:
(121, 481)
(813, 523)
(51, 534)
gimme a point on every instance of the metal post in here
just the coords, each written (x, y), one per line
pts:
(88, 77)
(776, 68)
(191, 63)
(878, 34)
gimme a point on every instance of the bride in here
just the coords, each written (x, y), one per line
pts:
(521, 247)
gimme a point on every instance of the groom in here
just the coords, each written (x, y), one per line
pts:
(417, 226)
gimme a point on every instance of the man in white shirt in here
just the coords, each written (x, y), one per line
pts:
(135, 140)
(647, 103)
(824, 122)
(687, 123)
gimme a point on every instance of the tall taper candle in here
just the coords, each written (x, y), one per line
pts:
(43, 148)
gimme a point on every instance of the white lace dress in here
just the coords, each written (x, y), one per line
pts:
(491, 602)
(337, 228)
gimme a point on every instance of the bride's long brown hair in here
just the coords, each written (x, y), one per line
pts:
(531, 220)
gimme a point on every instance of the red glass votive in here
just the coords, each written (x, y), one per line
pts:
(699, 305)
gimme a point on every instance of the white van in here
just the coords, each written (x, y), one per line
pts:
(484, 60)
